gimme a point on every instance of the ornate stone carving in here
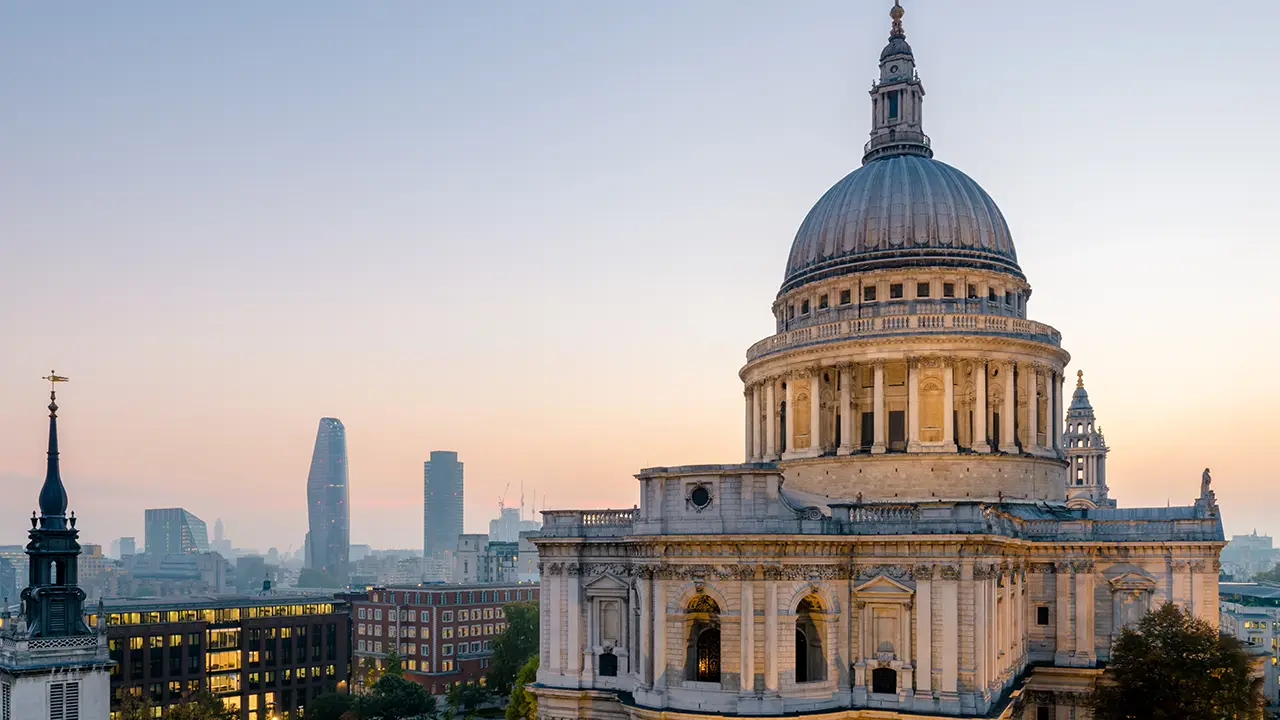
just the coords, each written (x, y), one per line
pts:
(617, 569)
(923, 572)
(554, 568)
(573, 570)
(949, 572)
(897, 572)
(1082, 566)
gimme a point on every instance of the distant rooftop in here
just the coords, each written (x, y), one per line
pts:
(1263, 594)
(212, 602)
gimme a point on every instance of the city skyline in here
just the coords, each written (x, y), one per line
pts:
(704, 98)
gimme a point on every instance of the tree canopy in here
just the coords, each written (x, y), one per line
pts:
(523, 704)
(1175, 666)
(513, 648)
(395, 698)
(201, 706)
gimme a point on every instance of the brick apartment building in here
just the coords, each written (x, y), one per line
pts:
(266, 656)
(446, 632)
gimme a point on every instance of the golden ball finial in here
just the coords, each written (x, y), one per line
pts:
(1079, 378)
(897, 12)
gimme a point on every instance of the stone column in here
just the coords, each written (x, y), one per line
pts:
(646, 631)
(924, 630)
(981, 627)
(1084, 614)
(846, 410)
(913, 405)
(949, 647)
(574, 643)
(980, 371)
(771, 422)
(1009, 416)
(552, 581)
(659, 635)
(757, 447)
(949, 404)
(789, 436)
(1058, 413)
(1033, 409)
(815, 411)
(771, 636)
(1063, 649)
(749, 394)
(748, 645)
(878, 412)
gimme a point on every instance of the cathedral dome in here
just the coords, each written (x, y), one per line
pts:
(896, 211)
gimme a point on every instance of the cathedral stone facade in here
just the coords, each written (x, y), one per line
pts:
(911, 533)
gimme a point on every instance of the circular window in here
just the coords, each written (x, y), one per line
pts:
(893, 68)
(700, 497)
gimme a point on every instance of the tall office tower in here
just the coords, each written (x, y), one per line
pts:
(174, 531)
(441, 502)
(128, 546)
(328, 512)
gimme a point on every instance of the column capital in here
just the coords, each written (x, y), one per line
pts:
(802, 373)
(914, 361)
(1008, 363)
(846, 367)
(878, 363)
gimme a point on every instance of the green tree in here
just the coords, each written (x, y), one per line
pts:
(513, 648)
(201, 706)
(316, 578)
(135, 707)
(330, 706)
(393, 666)
(367, 671)
(523, 704)
(395, 698)
(1176, 666)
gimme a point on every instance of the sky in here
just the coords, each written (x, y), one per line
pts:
(543, 234)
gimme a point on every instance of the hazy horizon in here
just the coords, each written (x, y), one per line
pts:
(543, 235)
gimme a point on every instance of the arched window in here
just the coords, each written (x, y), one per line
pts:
(811, 662)
(702, 618)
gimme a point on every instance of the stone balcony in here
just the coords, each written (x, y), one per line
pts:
(919, 324)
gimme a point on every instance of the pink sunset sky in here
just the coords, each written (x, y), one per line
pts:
(544, 234)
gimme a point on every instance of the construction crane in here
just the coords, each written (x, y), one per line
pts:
(502, 500)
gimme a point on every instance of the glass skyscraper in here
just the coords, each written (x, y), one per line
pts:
(174, 531)
(441, 503)
(328, 512)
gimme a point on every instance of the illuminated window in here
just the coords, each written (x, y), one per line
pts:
(447, 616)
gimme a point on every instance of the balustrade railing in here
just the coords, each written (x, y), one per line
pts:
(894, 324)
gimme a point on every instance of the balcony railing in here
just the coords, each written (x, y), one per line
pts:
(577, 523)
(906, 324)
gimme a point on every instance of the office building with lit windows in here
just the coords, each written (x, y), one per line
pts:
(446, 632)
(267, 656)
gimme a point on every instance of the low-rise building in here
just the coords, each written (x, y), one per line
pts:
(445, 633)
(266, 655)
(481, 560)
(1251, 612)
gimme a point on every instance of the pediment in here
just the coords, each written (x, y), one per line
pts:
(1133, 580)
(883, 585)
(607, 585)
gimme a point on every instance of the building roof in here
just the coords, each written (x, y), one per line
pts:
(897, 211)
(1250, 590)
(211, 602)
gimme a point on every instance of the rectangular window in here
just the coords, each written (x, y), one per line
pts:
(447, 650)
(1042, 713)
(991, 295)
(475, 630)
(948, 290)
(1008, 298)
(893, 104)
(822, 302)
(804, 307)
(895, 291)
(846, 297)
(1042, 615)
(869, 293)
(922, 290)
(413, 616)
(447, 616)
(377, 614)
(464, 615)
(475, 647)
(973, 292)
(360, 613)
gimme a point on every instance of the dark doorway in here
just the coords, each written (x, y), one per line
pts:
(884, 680)
(802, 657)
(839, 428)
(898, 430)
(995, 430)
(708, 667)
(609, 665)
(868, 430)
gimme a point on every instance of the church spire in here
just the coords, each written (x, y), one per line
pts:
(52, 602)
(896, 99)
(53, 496)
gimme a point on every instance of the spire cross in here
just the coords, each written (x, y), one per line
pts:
(54, 378)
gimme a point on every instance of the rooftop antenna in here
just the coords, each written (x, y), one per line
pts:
(522, 500)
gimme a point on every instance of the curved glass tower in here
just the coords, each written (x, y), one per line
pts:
(328, 513)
